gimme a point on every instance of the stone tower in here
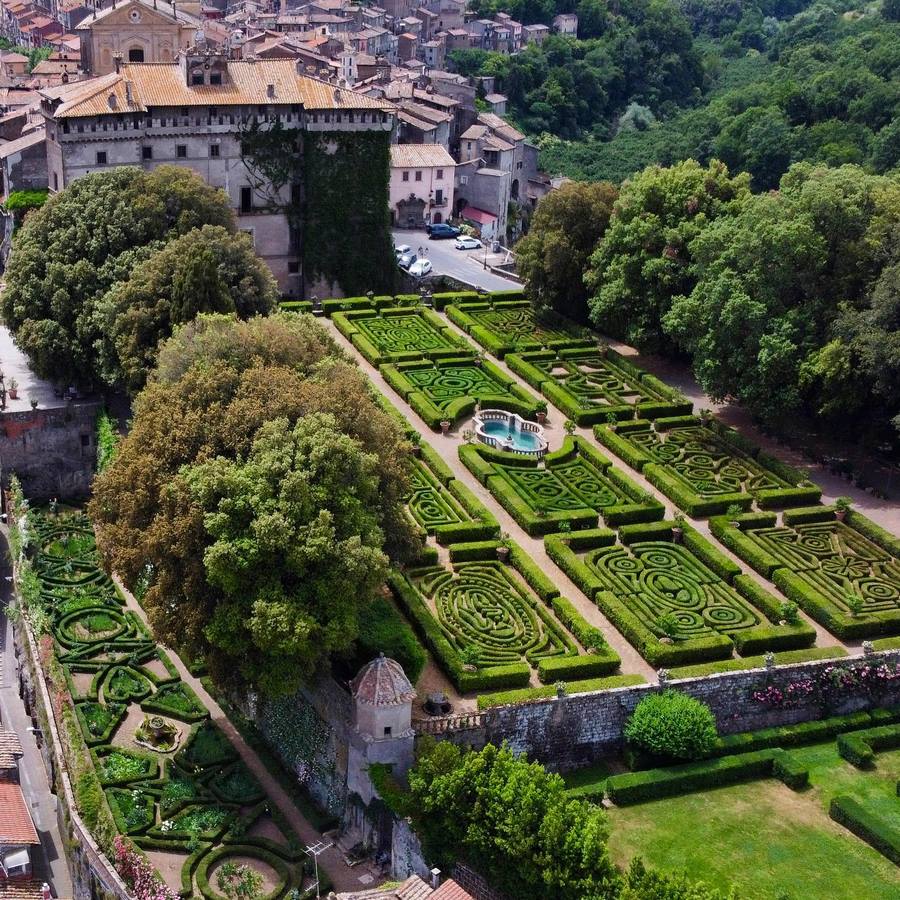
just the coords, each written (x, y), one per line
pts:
(382, 723)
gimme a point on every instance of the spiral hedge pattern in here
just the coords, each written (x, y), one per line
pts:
(442, 384)
(489, 617)
(656, 578)
(429, 503)
(398, 334)
(836, 561)
(196, 800)
(564, 486)
(595, 381)
(702, 461)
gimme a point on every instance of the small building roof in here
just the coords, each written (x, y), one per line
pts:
(10, 747)
(481, 216)
(38, 136)
(382, 682)
(16, 826)
(13, 58)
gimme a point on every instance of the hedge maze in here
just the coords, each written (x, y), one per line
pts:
(589, 386)
(573, 485)
(449, 389)
(677, 603)
(504, 326)
(845, 575)
(490, 623)
(395, 334)
(195, 803)
(443, 506)
(704, 469)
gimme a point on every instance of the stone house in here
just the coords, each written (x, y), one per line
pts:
(422, 184)
(192, 112)
(566, 23)
(142, 31)
(535, 34)
(17, 834)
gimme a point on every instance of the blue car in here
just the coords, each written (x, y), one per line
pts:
(441, 231)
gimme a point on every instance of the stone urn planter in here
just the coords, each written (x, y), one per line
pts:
(503, 554)
(541, 417)
(445, 426)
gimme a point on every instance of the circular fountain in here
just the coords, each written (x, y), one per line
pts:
(504, 430)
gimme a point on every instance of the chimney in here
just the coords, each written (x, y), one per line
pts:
(111, 100)
(435, 878)
(128, 98)
(270, 91)
(117, 62)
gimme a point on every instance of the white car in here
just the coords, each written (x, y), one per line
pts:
(402, 249)
(420, 267)
(464, 242)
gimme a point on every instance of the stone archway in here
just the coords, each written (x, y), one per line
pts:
(135, 54)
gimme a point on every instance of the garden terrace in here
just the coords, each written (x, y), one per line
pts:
(442, 505)
(590, 386)
(449, 389)
(705, 468)
(504, 326)
(170, 779)
(399, 334)
(573, 485)
(491, 623)
(677, 603)
(844, 574)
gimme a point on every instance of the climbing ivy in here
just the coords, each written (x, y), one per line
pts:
(271, 157)
(346, 223)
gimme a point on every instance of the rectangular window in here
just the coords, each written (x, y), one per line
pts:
(349, 117)
(440, 174)
(387, 730)
(184, 109)
(181, 151)
(215, 77)
(406, 176)
(146, 153)
(418, 176)
(55, 181)
(213, 111)
(293, 267)
(262, 110)
(101, 157)
(214, 151)
(246, 199)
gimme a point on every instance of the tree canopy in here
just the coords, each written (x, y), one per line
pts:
(565, 229)
(206, 270)
(81, 242)
(190, 479)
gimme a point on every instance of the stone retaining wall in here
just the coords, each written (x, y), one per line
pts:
(571, 731)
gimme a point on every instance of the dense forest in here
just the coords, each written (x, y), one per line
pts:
(758, 85)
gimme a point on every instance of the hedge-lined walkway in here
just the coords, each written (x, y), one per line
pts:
(331, 861)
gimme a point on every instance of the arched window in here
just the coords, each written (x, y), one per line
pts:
(136, 54)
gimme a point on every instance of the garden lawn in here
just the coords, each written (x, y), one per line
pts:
(767, 840)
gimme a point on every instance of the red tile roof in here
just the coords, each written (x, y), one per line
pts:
(16, 826)
(450, 890)
(10, 749)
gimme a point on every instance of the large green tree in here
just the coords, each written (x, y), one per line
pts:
(82, 241)
(219, 381)
(206, 270)
(287, 524)
(513, 821)
(644, 259)
(565, 229)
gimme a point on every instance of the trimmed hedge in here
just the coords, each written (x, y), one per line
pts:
(652, 784)
(625, 450)
(881, 834)
(757, 662)
(508, 698)
(570, 668)
(531, 572)
(860, 748)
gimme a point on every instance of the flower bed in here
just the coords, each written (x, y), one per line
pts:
(705, 469)
(573, 485)
(845, 575)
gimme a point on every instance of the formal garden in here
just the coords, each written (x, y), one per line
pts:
(569, 488)
(705, 468)
(597, 385)
(505, 323)
(162, 777)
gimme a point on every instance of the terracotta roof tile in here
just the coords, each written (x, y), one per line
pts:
(16, 826)
(10, 746)
(382, 682)
(450, 890)
(408, 156)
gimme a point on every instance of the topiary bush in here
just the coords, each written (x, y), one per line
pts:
(672, 725)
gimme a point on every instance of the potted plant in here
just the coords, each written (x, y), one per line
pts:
(790, 613)
(503, 548)
(705, 416)
(733, 512)
(541, 412)
(612, 420)
(854, 603)
(569, 427)
(478, 359)
(13, 389)
(468, 435)
(416, 440)
(34, 402)
(602, 348)
(445, 426)
(678, 528)
(841, 508)
(668, 625)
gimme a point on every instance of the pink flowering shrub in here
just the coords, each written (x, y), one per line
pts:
(138, 875)
(833, 683)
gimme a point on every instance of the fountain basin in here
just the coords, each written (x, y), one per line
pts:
(504, 430)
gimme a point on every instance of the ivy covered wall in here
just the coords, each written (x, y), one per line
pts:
(346, 221)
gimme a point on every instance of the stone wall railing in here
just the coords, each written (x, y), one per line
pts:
(577, 729)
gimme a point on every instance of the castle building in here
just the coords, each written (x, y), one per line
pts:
(197, 111)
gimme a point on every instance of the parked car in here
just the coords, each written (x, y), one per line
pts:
(441, 230)
(420, 267)
(407, 259)
(403, 248)
(464, 242)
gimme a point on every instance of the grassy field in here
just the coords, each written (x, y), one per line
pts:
(767, 840)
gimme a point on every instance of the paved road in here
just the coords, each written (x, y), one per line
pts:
(49, 863)
(466, 265)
